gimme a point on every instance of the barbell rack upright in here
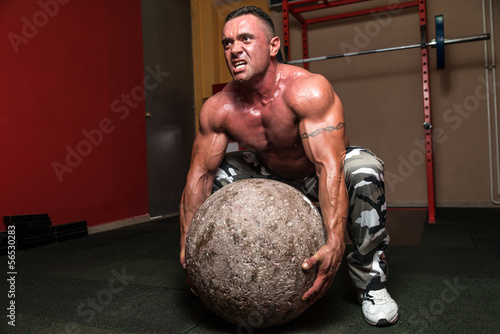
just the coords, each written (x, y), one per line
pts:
(426, 90)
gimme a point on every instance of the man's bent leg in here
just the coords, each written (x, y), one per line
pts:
(366, 227)
(237, 166)
(366, 222)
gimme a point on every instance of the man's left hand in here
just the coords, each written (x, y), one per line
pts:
(328, 260)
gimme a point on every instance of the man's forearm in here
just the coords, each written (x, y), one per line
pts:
(195, 193)
(334, 205)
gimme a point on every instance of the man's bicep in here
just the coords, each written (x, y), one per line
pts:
(324, 141)
(211, 141)
(323, 133)
(321, 116)
(336, 128)
(208, 150)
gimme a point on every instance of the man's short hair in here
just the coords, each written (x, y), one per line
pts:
(255, 11)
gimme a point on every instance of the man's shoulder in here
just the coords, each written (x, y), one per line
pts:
(301, 78)
(225, 96)
(292, 70)
(308, 92)
(302, 83)
(219, 102)
(215, 109)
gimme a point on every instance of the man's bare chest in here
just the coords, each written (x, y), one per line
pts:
(263, 128)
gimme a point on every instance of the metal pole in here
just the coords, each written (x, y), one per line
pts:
(429, 159)
(286, 31)
(432, 43)
(305, 47)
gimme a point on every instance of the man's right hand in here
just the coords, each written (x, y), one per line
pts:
(183, 258)
(183, 264)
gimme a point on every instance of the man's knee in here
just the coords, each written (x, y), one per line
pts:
(365, 170)
(237, 166)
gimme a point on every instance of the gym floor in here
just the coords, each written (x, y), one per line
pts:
(445, 278)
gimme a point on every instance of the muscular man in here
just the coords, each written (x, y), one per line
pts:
(292, 124)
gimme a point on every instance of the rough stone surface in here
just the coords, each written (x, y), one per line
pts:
(245, 248)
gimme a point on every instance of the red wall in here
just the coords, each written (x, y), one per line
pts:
(73, 140)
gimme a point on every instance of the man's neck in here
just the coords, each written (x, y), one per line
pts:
(261, 89)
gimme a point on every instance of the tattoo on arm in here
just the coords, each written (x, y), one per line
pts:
(325, 129)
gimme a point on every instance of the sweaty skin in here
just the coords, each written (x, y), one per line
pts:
(291, 118)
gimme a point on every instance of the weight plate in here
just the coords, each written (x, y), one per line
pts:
(440, 54)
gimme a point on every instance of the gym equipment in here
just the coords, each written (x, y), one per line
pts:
(245, 248)
(440, 41)
(297, 8)
(437, 43)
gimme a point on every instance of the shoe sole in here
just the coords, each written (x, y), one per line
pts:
(383, 322)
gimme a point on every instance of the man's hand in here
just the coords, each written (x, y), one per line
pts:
(183, 258)
(328, 258)
(183, 264)
(184, 229)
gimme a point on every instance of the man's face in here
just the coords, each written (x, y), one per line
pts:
(246, 47)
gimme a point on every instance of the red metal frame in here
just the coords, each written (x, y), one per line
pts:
(364, 12)
(429, 161)
(298, 7)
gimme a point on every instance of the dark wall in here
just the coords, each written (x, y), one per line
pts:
(170, 128)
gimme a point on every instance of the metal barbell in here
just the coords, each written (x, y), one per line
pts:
(437, 43)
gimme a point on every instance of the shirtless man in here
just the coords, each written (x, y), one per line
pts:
(292, 124)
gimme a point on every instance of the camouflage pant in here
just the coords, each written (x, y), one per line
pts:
(364, 174)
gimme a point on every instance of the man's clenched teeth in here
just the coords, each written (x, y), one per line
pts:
(239, 64)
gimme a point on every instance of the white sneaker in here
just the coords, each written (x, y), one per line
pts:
(379, 309)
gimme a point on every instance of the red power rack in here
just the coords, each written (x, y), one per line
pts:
(296, 8)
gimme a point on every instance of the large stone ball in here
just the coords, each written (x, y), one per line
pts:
(245, 248)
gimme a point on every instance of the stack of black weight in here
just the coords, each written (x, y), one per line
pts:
(37, 230)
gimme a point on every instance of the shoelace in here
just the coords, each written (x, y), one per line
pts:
(378, 295)
(367, 296)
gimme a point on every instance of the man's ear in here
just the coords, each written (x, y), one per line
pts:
(275, 46)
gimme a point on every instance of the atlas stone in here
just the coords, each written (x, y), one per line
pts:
(245, 248)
